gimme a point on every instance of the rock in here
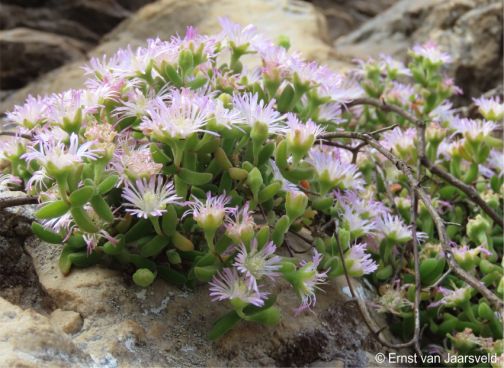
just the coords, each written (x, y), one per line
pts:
(133, 4)
(99, 15)
(27, 3)
(166, 326)
(273, 18)
(45, 19)
(27, 339)
(69, 322)
(470, 30)
(83, 292)
(18, 280)
(27, 54)
(165, 18)
(80, 20)
(344, 16)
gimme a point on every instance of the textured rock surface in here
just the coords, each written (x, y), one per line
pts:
(27, 53)
(163, 325)
(165, 18)
(69, 322)
(344, 16)
(100, 316)
(52, 32)
(81, 19)
(18, 280)
(27, 339)
(470, 30)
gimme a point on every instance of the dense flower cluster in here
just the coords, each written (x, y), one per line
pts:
(192, 159)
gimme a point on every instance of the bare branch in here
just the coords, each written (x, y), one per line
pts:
(368, 320)
(14, 134)
(471, 193)
(496, 302)
(13, 202)
(416, 256)
(381, 172)
(468, 190)
(382, 105)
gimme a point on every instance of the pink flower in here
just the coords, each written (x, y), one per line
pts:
(32, 113)
(431, 51)
(56, 157)
(255, 264)
(255, 111)
(238, 36)
(473, 129)
(209, 214)
(309, 280)
(228, 285)
(452, 298)
(149, 198)
(92, 240)
(185, 113)
(241, 226)
(134, 164)
(358, 262)
(302, 134)
(491, 108)
(399, 140)
(333, 168)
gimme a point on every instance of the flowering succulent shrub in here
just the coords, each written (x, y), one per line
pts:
(202, 158)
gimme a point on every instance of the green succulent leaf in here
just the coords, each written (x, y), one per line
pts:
(223, 325)
(81, 196)
(52, 210)
(45, 234)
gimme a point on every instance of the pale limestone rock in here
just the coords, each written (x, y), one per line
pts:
(69, 322)
(85, 291)
(27, 339)
(165, 326)
(298, 20)
(470, 30)
(28, 53)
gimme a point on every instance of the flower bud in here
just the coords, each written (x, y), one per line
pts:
(435, 133)
(259, 132)
(283, 41)
(295, 204)
(255, 181)
(226, 99)
(186, 60)
(477, 228)
(143, 277)
(173, 257)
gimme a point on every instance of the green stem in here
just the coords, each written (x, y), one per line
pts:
(256, 149)
(209, 237)
(298, 93)
(177, 147)
(466, 307)
(99, 168)
(62, 187)
(155, 222)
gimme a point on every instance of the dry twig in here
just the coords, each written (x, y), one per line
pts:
(13, 202)
(495, 301)
(14, 134)
(368, 320)
(471, 193)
